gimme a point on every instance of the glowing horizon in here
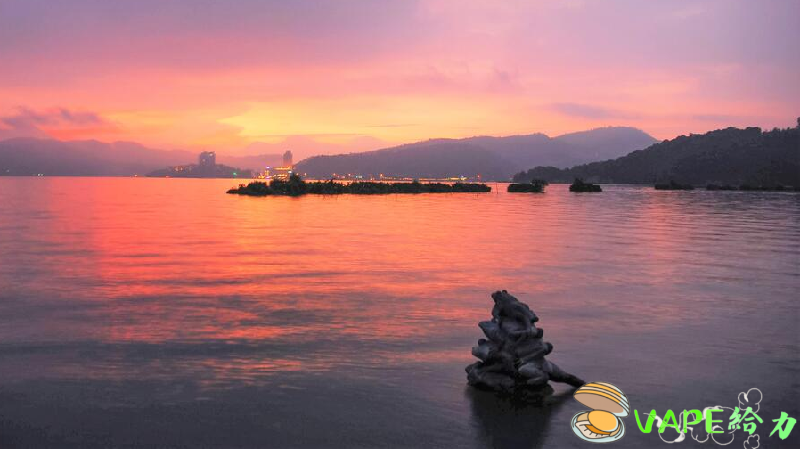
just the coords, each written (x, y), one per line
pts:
(326, 77)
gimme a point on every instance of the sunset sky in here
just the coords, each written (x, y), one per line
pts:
(351, 75)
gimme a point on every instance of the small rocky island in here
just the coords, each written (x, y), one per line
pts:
(295, 186)
(535, 186)
(579, 186)
(512, 354)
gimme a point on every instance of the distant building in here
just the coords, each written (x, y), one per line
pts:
(208, 159)
(283, 172)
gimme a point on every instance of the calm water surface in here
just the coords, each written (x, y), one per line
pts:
(163, 312)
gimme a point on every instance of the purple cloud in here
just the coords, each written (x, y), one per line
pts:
(26, 122)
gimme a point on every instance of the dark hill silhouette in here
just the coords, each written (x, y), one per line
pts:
(432, 159)
(568, 149)
(30, 156)
(494, 158)
(726, 156)
(607, 143)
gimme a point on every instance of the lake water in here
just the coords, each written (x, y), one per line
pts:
(163, 312)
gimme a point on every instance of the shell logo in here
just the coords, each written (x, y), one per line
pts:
(602, 424)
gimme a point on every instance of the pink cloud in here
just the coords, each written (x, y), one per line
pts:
(54, 122)
(170, 72)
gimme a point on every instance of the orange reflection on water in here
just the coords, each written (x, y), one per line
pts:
(175, 276)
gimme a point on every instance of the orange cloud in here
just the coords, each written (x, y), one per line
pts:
(225, 76)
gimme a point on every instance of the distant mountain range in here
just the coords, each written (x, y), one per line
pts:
(494, 158)
(29, 157)
(726, 156)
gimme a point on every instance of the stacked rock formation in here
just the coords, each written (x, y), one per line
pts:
(512, 354)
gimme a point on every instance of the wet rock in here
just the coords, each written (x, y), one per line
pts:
(512, 356)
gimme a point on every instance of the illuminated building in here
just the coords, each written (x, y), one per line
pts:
(281, 172)
(207, 159)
